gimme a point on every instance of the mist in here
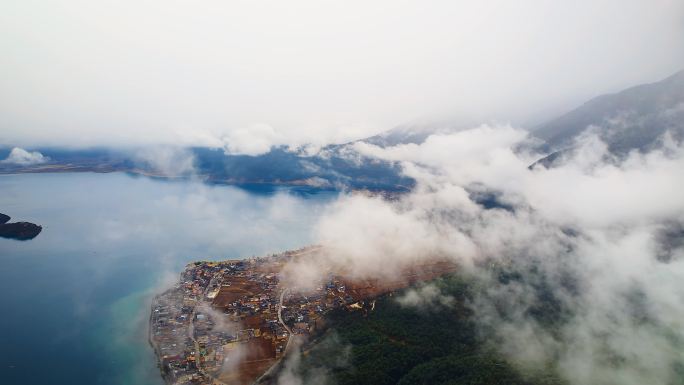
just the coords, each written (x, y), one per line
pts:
(246, 76)
(594, 241)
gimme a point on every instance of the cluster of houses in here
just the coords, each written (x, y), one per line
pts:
(224, 322)
(303, 309)
(170, 322)
(220, 315)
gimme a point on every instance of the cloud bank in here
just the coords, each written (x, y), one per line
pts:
(581, 264)
(219, 73)
(21, 157)
(254, 140)
(426, 297)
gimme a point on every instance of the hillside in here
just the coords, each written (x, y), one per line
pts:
(332, 168)
(393, 344)
(630, 119)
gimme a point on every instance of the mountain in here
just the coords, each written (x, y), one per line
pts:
(395, 344)
(631, 119)
(334, 167)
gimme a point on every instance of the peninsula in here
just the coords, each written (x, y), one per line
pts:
(231, 322)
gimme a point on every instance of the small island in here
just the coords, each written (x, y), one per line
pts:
(22, 231)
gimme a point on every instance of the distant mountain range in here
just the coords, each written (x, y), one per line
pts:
(632, 119)
(332, 168)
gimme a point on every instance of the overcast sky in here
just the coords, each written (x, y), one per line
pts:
(137, 72)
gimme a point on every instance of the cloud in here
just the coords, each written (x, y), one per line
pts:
(167, 160)
(255, 140)
(425, 297)
(580, 264)
(22, 157)
(176, 73)
(331, 353)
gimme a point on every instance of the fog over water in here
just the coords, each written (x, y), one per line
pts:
(76, 297)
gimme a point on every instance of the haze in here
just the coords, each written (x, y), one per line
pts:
(248, 75)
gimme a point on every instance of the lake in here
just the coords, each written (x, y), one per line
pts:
(75, 300)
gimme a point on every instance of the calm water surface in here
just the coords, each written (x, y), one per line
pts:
(75, 300)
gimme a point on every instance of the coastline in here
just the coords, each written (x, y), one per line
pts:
(311, 184)
(233, 321)
(195, 365)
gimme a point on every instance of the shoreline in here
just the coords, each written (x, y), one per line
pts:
(194, 364)
(234, 321)
(208, 179)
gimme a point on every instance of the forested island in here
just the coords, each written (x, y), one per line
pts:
(21, 231)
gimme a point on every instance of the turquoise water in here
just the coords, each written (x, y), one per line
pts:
(75, 300)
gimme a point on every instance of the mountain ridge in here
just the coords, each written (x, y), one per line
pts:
(634, 118)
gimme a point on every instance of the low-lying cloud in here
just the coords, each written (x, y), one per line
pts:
(593, 245)
(333, 351)
(175, 73)
(21, 157)
(254, 140)
(425, 297)
(167, 160)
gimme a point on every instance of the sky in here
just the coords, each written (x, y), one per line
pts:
(246, 75)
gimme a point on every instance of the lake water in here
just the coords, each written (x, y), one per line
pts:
(75, 300)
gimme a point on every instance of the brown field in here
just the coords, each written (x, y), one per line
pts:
(252, 322)
(246, 372)
(370, 288)
(259, 355)
(259, 349)
(260, 352)
(239, 288)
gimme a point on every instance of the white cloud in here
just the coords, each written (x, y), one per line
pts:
(254, 140)
(22, 157)
(588, 236)
(173, 72)
(168, 161)
(425, 297)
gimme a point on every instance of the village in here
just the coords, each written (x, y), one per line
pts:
(230, 322)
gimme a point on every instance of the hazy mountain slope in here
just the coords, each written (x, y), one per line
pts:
(630, 119)
(406, 345)
(329, 169)
(333, 168)
(406, 134)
